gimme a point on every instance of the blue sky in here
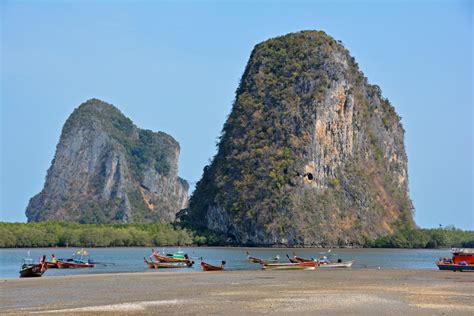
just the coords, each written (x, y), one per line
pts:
(175, 66)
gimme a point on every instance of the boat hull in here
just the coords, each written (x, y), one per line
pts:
(336, 265)
(209, 267)
(290, 266)
(74, 265)
(455, 267)
(30, 274)
(35, 271)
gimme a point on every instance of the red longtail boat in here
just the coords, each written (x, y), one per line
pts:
(80, 259)
(73, 264)
(209, 267)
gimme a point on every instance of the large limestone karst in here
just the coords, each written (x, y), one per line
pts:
(311, 153)
(107, 170)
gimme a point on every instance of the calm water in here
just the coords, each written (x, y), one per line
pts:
(131, 259)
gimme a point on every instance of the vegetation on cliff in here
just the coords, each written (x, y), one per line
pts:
(311, 154)
(148, 147)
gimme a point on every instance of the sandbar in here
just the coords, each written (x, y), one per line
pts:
(328, 292)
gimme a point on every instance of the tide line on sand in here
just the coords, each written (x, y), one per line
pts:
(122, 307)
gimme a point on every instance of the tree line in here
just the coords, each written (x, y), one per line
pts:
(425, 238)
(65, 234)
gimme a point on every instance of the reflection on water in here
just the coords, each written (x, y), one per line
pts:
(131, 259)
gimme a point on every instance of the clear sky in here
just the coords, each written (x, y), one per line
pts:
(174, 67)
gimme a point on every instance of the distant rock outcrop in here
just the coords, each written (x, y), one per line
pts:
(311, 154)
(107, 170)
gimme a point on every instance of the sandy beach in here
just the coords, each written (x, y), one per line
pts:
(351, 291)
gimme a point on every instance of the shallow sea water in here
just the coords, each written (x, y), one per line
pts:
(131, 259)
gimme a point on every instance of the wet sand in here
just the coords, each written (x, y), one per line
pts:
(333, 292)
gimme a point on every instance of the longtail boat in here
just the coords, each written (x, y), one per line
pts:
(80, 259)
(170, 258)
(338, 264)
(32, 270)
(161, 258)
(326, 263)
(159, 265)
(71, 264)
(290, 266)
(259, 260)
(462, 260)
(209, 267)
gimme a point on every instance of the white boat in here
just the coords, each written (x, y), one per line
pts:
(341, 264)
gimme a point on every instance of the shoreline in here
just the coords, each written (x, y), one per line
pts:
(348, 291)
(167, 272)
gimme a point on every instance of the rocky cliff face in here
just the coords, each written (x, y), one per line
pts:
(310, 155)
(107, 170)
